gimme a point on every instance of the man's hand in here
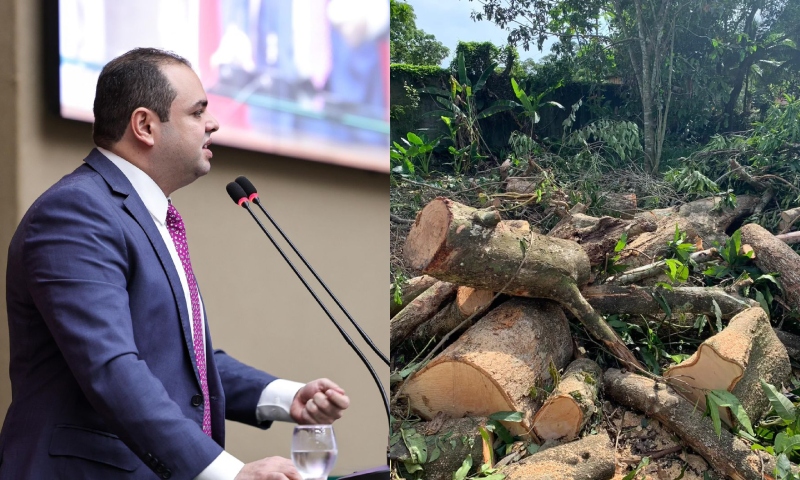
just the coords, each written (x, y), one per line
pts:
(270, 468)
(318, 402)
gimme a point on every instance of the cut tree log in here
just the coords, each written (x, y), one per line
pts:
(493, 366)
(703, 221)
(468, 302)
(599, 236)
(725, 453)
(735, 359)
(789, 238)
(571, 404)
(456, 438)
(788, 218)
(466, 246)
(773, 255)
(590, 458)
(411, 289)
(633, 300)
(657, 268)
(420, 310)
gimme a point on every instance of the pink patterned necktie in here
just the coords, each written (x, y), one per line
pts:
(178, 233)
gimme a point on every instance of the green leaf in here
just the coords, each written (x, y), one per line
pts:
(485, 76)
(622, 243)
(413, 138)
(762, 301)
(724, 398)
(487, 440)
(713, 411)
(416, 445)
(507, 416)
(500, 430)
(783, 407)
(462, 74)
(411, 466)
(463, 470)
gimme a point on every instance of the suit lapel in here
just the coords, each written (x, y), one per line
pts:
(135, 207)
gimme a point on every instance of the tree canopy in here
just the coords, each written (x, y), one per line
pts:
(409, 44)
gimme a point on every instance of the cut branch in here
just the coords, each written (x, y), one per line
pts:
(420, 310)
(590, 458)
(633, 300)
(724, 452)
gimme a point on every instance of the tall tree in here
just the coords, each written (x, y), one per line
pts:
(645, 30)
(409, 44)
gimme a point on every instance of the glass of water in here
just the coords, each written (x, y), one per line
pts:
(314, 450)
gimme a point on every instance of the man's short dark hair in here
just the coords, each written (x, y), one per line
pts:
(132, 80)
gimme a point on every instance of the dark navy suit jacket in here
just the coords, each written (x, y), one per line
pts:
(103, 376)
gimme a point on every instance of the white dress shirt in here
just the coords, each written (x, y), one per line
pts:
(277, 396)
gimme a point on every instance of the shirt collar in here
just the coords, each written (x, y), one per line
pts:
(153, 198)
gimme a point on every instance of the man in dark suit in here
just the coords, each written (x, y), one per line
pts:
(112, 370)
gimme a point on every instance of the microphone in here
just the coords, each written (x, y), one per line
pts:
(252, 196)
(240, 198)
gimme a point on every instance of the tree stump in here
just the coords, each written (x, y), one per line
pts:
(773, 255)
(590, 458)
(735, 360)
(599, 236)
(570, 406)
(494, 365)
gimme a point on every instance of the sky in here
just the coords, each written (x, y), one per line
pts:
(449, 21)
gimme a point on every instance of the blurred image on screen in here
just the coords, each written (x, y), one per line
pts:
(300, 78)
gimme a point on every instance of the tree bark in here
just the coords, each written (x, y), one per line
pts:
(590, 458)
(493, 365)
(573, 402)
(460, 244)
(468, 302)
(599, 236)
(773, 255)
(725, 453)
(633, 300)
(735, 359)
(411, 289)
(420, 310)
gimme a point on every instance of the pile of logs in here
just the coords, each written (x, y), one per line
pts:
(502, 294)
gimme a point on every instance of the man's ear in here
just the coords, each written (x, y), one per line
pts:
(143, 124)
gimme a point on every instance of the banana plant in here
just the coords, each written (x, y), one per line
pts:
(531, 104)
(462, 108)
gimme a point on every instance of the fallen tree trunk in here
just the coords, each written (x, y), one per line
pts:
(700, 220)
(773, 255)
(725, 453)
(657, 268)
(455, 438)
(633, 300)
(495, 363)
(468, 302)
(789, 238)
(571, 404)
(599, 236)
(419, 310)
(735, 359)
(460, 244)
(411, 289)
(590, 458)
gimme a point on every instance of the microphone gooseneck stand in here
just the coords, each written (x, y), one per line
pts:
(252, 196)
(239, 197)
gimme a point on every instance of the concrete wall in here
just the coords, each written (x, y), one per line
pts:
(258, 311)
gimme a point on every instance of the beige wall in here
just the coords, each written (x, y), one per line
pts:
(258, 311)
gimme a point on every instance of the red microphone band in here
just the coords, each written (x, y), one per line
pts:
(241, 201)
(253, 196)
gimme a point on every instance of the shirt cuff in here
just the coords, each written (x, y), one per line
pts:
(276, 399)
(224, 467)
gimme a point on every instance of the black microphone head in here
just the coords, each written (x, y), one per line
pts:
(237, 193)
(248, 187)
